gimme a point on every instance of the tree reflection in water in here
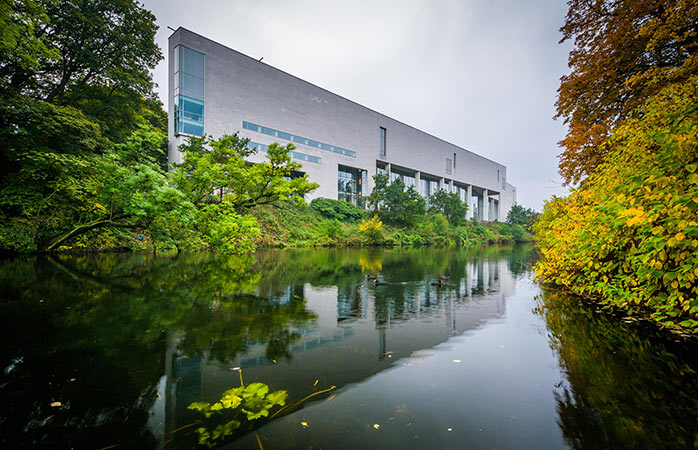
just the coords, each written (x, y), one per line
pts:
(92, 333)
(626, 386)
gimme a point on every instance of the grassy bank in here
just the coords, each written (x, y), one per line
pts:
(304, 226)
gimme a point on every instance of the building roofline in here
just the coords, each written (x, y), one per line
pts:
(332, 93)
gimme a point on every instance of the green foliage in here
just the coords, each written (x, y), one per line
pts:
(223, 228)
(395, 204)
(212, 169)
(337, 209)
(449, 205)
(525, 217)
(372, 230)
(92, 54)
(629, 235)
(236, 407)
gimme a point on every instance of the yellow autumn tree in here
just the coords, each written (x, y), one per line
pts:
(629, 235)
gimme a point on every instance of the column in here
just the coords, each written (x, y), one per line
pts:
(418, 182)
(469, 199)
(485, 205)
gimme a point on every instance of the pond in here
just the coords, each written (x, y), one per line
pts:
(109, 351)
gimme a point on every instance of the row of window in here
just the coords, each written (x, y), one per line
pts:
(294, 155)
(300, 140)
(189, 91)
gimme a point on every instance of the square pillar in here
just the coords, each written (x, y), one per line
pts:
(469, 200)
(485, 205)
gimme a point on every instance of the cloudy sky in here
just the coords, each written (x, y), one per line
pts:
(481, 74)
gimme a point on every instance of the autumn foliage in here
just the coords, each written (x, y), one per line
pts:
(625, 51)
(629, 235)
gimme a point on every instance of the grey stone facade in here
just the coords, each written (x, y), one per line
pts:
(239, 88)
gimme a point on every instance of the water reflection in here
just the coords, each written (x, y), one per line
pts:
(107, 350)
(125, 342)
(626, 386)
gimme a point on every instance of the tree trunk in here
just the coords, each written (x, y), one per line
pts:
(54, 242)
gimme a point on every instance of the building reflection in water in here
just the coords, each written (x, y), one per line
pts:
(360, 329)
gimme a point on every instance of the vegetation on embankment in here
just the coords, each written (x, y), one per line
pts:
(627, 236)
(305, 226)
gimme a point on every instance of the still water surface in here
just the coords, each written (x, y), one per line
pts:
(108, 351)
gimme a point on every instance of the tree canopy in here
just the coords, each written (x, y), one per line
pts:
(526, 217)
(450, 205)
(393, 202)
(216, 169)
(624, 52)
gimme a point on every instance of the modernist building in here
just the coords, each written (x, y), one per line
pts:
(215, 90)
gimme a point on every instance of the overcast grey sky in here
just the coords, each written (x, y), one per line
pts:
(481, 74)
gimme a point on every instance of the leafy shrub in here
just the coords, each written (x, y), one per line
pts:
(334, 228)
(372, 230)
(337, 209)
(629, 235)
(223, 228)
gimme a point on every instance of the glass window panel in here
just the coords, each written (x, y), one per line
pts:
(192, 86)
(192, 62)
(191, 105)
(194, 129)
(283, 135)
(382, 143)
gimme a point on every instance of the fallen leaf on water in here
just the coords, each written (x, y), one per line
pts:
(234, 368)
(376, 426)
(457, 360)
(55, 404)
(450, 429)
(159, 396)
(315, 383)
(304, 424)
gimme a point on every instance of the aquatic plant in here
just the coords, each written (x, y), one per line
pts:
(236, 406)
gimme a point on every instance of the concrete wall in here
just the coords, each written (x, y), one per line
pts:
(239, 88)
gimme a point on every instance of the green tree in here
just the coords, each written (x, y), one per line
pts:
(214, 170)
(526, 217)
(95, 55)
(450, 205)
(393, 203)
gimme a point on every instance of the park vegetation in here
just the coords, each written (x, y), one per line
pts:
(83, 164)
(628, 235)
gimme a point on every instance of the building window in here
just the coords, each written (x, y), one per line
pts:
(294, 155)
(454, 160)
(448, 166)
(349, 183)
(383, 141)
(189, 92)
(301, 140)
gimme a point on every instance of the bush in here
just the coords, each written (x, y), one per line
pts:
(337, 209)
(223, 228)
(372, 230)
(629, 235)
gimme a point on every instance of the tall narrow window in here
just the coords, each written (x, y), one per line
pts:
(454, 160)
(383, 138)
(348, 184)
(189, 91)
(448, 166)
